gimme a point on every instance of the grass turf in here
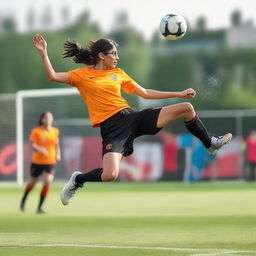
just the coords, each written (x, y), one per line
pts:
(193, 218)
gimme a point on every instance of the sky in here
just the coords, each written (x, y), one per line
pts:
(145, 15)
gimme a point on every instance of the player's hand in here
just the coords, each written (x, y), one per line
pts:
(189, 93)
(40, 43)
(43, 151)
(58, 158)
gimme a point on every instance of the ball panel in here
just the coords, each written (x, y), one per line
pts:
(173, 26)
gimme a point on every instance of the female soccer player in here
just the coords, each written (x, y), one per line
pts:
(99, 85)
(45, 143)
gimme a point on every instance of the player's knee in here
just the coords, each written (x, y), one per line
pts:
(48, 183)
(188, 107)
(109, 175)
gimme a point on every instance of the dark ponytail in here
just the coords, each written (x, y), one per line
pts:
(87, 56)
(80, 54)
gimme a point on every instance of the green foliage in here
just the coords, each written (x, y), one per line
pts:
(172, 73)
(238, 98)
(236, 18)
(213, 70)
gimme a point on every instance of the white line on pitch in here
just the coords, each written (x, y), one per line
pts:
(208, 251)
(225, 252)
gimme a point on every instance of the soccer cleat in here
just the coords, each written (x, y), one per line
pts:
(70, 189)
(217, 142)
(22, 205)
(40, 211)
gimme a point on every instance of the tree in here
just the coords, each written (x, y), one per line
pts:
(47, 17)
(236, 18)
(201, 24)
(84, 18)
(9, 25)
(31, 19)
(65, 15)
(121, 20)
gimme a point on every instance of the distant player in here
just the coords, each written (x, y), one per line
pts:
(251, 155)
(100, 86)
(45, 143)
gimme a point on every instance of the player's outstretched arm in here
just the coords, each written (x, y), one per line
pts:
(154, 94)
(41, 45)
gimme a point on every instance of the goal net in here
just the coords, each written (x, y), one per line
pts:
(70, 117)
(7, 138)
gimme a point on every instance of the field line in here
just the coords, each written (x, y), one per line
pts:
(227, 252)
(194, 251)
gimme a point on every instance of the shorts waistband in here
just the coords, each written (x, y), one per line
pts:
(118, 114)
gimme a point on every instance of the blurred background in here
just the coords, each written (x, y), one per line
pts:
(216, 58)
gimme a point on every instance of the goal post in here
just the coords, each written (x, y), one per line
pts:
(20, 96)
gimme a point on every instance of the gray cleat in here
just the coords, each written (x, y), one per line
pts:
(217, 142)
(70, 189)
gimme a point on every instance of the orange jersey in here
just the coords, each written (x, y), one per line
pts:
(101, 91)
(47, 139)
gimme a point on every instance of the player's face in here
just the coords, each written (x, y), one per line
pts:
(47, 119)
(111, 58)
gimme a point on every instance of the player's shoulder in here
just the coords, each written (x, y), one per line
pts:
(81, 70)
(118, 70)
(56, 131)
(36, 129)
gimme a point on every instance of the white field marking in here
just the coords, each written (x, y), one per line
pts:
(206, 251)
(226, 252)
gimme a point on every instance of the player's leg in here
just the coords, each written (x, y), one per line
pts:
(47, 181)
(174, 112)
(30, 185)
(109, 172)
(193, 123)
(252, 169)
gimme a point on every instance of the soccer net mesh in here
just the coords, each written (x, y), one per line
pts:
(7, 137)
(70, 117)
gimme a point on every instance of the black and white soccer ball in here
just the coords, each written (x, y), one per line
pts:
(173, 26)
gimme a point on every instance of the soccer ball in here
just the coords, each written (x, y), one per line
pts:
(173, 26)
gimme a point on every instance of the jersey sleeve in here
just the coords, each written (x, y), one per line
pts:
(128, 85)
(74, 77)
(33, 136)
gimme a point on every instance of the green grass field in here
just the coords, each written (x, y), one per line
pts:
(118, 218)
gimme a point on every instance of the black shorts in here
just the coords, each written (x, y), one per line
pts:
(119, 131)
(37, 169)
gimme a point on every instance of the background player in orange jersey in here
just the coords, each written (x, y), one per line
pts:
(45, 144)
(100, 86)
